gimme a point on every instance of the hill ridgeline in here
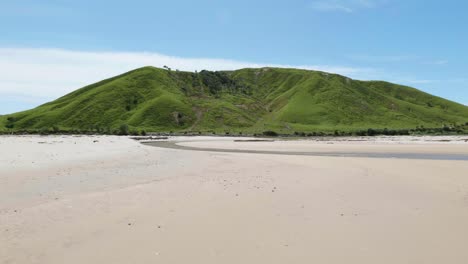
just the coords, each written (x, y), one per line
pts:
(246, 100)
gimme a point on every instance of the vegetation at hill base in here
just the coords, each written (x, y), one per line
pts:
(263, 101)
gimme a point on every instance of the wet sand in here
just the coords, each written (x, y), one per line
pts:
(114, 200)
(320, 149)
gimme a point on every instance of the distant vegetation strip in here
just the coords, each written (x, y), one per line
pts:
(124, 131)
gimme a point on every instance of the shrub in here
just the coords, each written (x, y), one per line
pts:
(217, 81)
(361, 133)
(44, 131)
(404, 132)
(371, 132)
(123, 129)
(300, 134)
(270, 133)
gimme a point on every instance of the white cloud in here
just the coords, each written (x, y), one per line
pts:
(347, 6)
(50, 73)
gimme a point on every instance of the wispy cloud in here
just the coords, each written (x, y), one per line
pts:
(347, 6)
(419, 81)
(382, 58)
(438, 62)
(36, 74)
(369, 58)
(453, 82)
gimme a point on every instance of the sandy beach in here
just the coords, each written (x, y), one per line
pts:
(104, 199)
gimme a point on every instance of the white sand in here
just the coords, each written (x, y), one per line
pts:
(116, 201)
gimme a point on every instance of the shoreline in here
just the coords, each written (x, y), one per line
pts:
(394, 155)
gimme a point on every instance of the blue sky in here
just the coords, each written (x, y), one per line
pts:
(49, 48)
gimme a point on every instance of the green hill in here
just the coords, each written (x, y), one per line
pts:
(247, 100)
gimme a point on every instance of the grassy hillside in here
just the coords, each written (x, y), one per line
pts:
(247, 100)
